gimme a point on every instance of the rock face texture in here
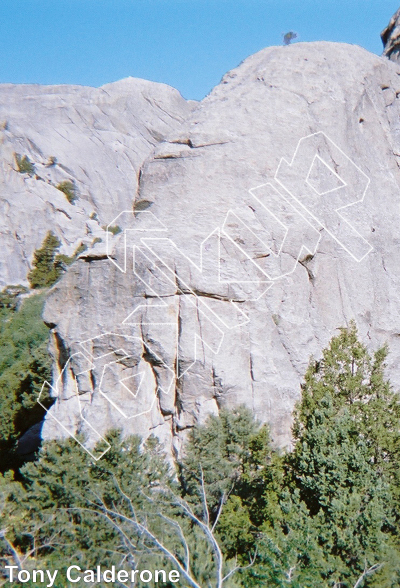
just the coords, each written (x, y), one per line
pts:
(96, 138)
(391, 38)
(233, 265)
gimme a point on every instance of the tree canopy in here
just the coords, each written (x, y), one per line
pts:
(234, 511)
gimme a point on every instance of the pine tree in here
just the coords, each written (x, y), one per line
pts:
(24, 366)
(334, 515)
(44, 272)
(230, 452)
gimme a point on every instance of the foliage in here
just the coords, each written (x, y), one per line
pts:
(48, 265)
(114, 229)
(24, 165)
(55, 508)
(68, 188)
(230, 453)
(141, 205)
(335, 509)
(45, 272)
(24, 365)
(74, 506)
(289, 37)
(9, 296)
(324, 515)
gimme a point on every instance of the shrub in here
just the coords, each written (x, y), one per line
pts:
(96, 240)
(62, 261)
(68, 188)
(51, 161)
(9, 296)
(24, 165)
(115, 229)
(44, 272)
(141, 205)
(24, 365)
(82, 247)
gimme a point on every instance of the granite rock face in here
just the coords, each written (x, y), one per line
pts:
(233, 265)
(391, 38)
(96, 138)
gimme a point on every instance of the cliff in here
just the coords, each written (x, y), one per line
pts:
(254, 224)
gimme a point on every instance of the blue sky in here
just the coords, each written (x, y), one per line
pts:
(188, 44)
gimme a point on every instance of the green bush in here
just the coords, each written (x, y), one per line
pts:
(48, 265)
(24, 366)
(24, 165)
(62, 261)
(68, 188)
(9, 297)
(115, 229)
(45, 272)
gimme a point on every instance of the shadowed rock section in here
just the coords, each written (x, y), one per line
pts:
(391, 38)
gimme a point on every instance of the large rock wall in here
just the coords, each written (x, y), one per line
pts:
(235, 266)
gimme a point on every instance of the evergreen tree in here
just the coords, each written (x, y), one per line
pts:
(230, 453)
(322, 516)
(44, 272)
(332, 516)
(51, 509)
(24, 366)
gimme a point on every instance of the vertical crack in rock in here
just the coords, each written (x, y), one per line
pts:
(252, 379)
(304, 263)
(152, 361)
(63, 355)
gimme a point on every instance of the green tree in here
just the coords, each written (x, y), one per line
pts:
(52, 513)
(230, 453)
(333, 519)
(24, 366)
(45, 272)
(131, 505)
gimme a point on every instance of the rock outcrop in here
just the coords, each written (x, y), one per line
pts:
(97, 138)
(254, 224)
(242, 267)
(391, 38)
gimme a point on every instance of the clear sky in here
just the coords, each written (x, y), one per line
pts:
(188, 44)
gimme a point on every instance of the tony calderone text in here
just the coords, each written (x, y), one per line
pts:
(75, 574)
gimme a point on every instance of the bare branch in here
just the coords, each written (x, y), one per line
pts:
(110, 514)
(204, 498)
(221, 504)
(11, 547)
(182, 538)
(237, 568)
(368, 572)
